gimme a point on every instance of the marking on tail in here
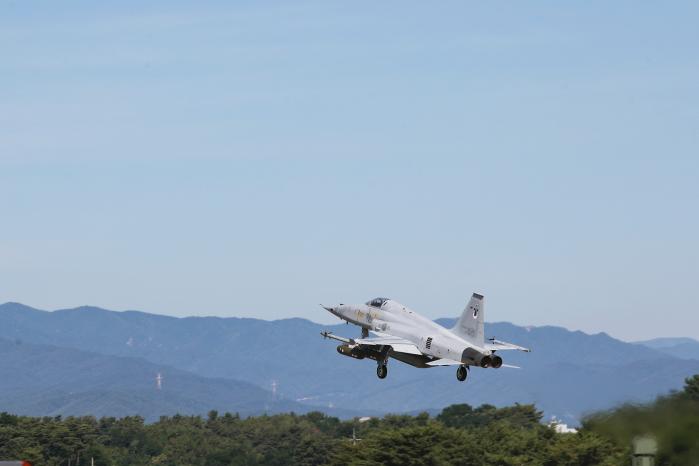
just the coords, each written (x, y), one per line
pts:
(470, 324)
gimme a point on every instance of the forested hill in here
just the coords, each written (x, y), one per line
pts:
(459, 435)
(568, 373)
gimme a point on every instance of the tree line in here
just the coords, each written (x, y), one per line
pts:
(459, 435)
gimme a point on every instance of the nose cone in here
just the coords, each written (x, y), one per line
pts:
(332, 309)
(335, 310)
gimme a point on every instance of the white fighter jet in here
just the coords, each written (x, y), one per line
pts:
(403, 334)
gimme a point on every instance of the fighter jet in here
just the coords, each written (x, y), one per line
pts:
(403, 334)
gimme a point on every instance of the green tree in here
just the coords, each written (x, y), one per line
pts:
(691, 388)
(673, 420)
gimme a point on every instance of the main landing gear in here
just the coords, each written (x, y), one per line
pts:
(381, 363)
(461, 373)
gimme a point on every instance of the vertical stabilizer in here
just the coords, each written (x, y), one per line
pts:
(470, 324)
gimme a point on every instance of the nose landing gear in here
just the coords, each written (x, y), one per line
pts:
(461, 373)
(382, 371)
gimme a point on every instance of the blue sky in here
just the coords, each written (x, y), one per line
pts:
(258, 158)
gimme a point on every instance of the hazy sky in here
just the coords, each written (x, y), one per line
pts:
(258, 158)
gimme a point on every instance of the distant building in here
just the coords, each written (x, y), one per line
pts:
(15, 463)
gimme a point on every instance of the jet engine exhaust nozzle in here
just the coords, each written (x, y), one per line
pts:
(496, 362)
(486, 361)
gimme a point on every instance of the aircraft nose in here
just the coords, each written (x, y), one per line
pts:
(336, 310)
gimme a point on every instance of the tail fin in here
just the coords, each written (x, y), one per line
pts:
(470, 324)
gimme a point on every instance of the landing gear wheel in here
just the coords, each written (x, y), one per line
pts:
(461, 373)
(382, 371)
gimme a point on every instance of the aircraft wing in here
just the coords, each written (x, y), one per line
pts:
(451, 362)
(497, 345)
(444, 362)
(400, 345)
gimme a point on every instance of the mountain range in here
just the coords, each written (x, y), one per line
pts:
(91, 360)
(44, 380)
(683, 348)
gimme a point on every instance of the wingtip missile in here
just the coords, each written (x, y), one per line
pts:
(332, 336)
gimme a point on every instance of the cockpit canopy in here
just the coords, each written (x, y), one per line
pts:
(377, 302)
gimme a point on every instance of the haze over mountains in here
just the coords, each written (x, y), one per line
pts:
(45, 380)
(683, 348)
(93, 361)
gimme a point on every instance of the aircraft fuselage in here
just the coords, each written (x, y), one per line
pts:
(433, 340)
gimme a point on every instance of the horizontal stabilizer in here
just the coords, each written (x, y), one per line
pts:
(497, 345)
